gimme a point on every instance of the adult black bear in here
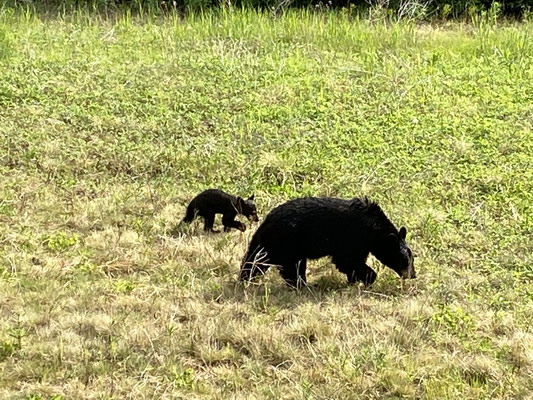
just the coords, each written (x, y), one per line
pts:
(215, 201)
(310, 228)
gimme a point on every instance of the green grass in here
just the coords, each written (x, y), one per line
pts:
(109, 125)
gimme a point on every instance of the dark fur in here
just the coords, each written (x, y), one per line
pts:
(310, 228)
(215, 201)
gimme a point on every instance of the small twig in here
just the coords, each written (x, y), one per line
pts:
(376, 294)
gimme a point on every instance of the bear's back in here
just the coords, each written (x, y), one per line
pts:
(312, 227)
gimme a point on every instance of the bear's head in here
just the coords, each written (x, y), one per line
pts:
(247, 208)
(397, 255)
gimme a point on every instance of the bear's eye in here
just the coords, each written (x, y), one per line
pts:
(406, 251)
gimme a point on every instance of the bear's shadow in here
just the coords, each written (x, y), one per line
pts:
(195, 229)
(274, 293)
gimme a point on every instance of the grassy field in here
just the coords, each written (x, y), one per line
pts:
(109, 125)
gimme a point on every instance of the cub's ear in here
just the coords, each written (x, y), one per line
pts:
(240, 200)
(403, 232)
(251, 197)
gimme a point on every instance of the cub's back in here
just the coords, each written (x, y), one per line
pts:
(214, 200)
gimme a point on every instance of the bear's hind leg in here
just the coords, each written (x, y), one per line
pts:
(255, 265)
(294, 273)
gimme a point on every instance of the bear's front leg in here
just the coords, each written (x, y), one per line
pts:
(362, 273)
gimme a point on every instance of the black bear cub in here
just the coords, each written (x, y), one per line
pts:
(215, 201)
(310, 228)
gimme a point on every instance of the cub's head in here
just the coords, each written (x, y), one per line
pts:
(247, 208)
(397, 255)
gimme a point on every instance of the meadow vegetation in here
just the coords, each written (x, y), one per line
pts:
(109, 124)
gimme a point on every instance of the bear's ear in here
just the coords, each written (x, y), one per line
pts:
(240, 201)
(251, 197)
(403, 232)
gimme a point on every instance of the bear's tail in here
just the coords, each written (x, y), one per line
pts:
(254, 261)
(189, 214)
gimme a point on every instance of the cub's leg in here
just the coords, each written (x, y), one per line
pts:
(190, 213)
(229, 222)
(209, 220)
